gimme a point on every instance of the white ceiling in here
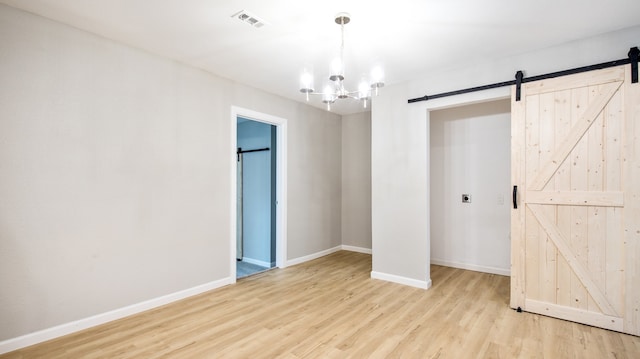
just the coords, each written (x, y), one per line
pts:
(405, 37)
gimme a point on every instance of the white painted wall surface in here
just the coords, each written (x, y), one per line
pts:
(115, 175)
(356, 180)
(471, 154)
(401, 239)
(399, 179)
(256, 191)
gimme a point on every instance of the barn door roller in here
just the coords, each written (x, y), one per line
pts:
(633, 57)
(519, 77)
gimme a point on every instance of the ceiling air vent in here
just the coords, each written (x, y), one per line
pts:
(249, 19)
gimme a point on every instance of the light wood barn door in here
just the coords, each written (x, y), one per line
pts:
(576, 232)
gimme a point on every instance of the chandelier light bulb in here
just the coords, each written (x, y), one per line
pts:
(306, 83)
(377, 78)
(363, 90)
(377, 75)
(328, 94)
(337, 70)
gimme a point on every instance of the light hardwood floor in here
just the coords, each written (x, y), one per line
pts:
(330, 308)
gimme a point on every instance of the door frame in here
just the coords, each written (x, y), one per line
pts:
(423, 110)
(281, 183)
(463, 264)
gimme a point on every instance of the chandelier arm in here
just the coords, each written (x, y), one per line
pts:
(356, 97)
(350, 94)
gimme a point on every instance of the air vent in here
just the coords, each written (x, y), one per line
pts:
(249, 19)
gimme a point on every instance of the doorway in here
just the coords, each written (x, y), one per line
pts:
(258, 195)
(469, 186)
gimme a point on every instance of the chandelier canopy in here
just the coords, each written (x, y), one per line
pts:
(334, 88)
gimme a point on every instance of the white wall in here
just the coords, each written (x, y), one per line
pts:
(470, 153)
(257, 201)
(115, 170)
(400, 199)
(356, 180)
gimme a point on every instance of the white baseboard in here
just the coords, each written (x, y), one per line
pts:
(356, 249)
(401, 280)
(313, 256)
(473, 267)
(68, 328)
(257, 262)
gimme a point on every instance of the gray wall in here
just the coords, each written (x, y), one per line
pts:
(356, 180)
(115, 170)
(314, 166)
(257, 186)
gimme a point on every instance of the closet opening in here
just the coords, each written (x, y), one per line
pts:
(470, 183)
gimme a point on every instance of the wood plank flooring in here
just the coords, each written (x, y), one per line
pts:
(330, 308)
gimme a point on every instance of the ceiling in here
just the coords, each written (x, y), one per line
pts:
(405, 37)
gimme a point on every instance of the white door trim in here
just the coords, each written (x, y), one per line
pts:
(281, 183)
(423, 110)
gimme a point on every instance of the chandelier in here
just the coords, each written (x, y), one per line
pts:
(334, 88)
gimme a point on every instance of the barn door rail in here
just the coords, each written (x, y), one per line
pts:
(632, 59)
(241, 151)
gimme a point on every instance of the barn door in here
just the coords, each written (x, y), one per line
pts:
(576, 228)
